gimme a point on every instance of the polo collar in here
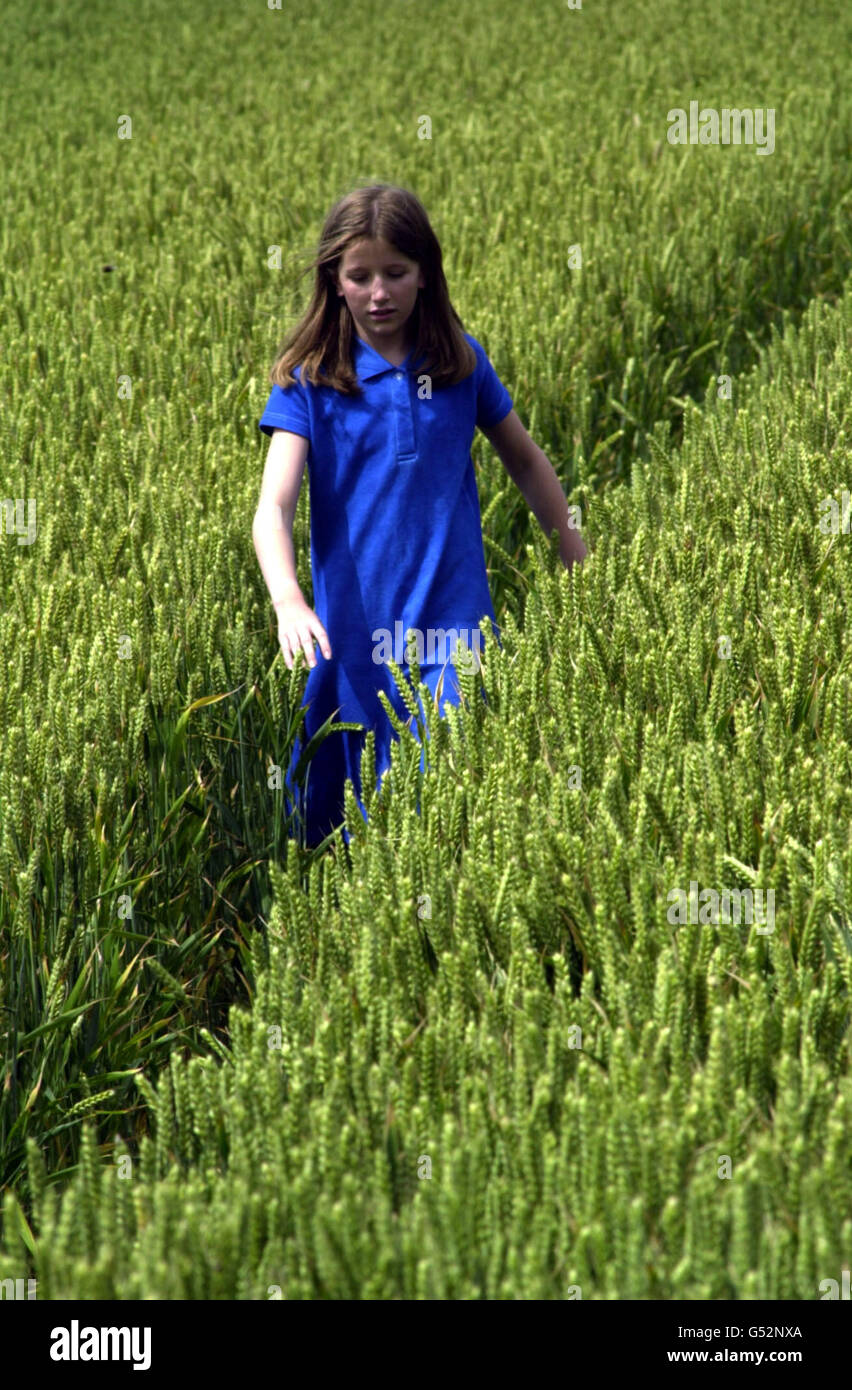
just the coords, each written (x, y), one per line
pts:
(369, 363)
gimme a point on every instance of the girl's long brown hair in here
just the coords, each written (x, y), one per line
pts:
(324, 339)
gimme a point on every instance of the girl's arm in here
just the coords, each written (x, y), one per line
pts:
(272, 533)
(272, 527)
(529, 467)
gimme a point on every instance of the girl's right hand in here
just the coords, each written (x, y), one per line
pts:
(298, 625)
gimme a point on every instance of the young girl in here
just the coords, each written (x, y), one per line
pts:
(379, 390)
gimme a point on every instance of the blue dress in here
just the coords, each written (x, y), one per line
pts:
(396, 543)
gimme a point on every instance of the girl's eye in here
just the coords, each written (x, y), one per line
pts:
(394, 274)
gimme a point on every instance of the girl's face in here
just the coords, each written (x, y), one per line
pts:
(374, 275)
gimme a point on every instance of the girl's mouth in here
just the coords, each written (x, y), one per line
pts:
(380, 313)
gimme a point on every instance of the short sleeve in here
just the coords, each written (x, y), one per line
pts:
(493, 401)
(286, 409)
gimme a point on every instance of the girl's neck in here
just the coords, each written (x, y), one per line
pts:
(395, 354)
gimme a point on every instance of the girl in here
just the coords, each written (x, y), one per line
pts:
(379, 390)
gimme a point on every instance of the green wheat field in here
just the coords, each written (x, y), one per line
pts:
(471, 1056)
